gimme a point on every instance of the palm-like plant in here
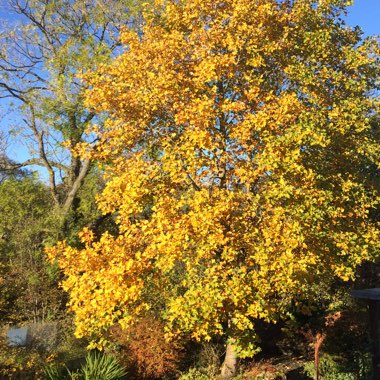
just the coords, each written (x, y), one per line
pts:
(99, 366)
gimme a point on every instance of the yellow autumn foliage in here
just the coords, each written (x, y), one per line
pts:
(236, 152)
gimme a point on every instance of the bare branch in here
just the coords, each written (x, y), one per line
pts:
(11, 166)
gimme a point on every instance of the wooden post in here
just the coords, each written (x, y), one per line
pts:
(372, 296)
(374, 319)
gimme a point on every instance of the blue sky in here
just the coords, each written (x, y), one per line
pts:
(366, 14)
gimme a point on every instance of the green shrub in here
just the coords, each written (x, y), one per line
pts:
(54, 372)
(329, 369)
(194, 374)
(99, 366)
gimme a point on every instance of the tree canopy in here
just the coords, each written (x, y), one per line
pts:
(236, 153)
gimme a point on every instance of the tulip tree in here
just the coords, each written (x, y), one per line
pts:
(236, 153)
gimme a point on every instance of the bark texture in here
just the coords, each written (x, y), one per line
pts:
(228, 369)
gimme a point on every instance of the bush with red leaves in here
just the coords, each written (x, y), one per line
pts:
(145, 351)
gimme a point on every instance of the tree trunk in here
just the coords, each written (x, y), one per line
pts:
(228, 369)
(76, 186)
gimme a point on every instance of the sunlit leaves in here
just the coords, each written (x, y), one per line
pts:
(235, 165)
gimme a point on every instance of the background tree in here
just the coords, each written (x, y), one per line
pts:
(42, 52)
(234, 153)
(28, 288)
(44, 45)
